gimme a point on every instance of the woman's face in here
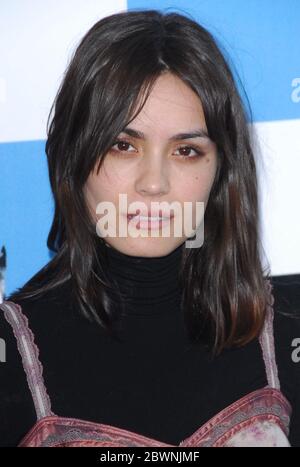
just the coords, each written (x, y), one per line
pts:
(152, 167)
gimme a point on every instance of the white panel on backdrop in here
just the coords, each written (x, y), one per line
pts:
(280, 193)
(37, 39)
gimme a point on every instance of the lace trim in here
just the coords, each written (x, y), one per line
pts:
(75, 436)
(263, 404)
(266, 340)
(57, 431)
(30, 357)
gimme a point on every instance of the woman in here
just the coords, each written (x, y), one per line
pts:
(149, 340)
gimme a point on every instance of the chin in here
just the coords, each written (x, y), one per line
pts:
(146, 247)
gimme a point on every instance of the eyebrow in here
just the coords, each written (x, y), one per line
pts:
(200, 133)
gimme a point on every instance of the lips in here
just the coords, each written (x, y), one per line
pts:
(152, 215)
(150, 222)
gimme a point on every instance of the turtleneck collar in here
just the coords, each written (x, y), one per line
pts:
(149, 285)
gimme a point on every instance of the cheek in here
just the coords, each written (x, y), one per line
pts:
(203, 181)
(93, 193)
(197, 183)
(196, 188)
(101, 188)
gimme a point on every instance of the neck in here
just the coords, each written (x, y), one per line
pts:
(148, 285)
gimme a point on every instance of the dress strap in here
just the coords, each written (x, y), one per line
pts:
(266, 340)
(30, 357)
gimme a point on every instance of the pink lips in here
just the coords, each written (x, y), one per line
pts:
(152, 214)
(151, 223)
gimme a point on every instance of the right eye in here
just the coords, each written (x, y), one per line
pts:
(122, 145)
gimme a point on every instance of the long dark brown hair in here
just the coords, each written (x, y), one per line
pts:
(105, 86)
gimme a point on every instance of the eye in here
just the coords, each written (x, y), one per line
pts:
(198, 152)
(122, 145)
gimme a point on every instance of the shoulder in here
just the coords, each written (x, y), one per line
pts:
(286, 306)
(38, 320)
(45, 310)
(17, 413)
(41, 317)
(286, 292)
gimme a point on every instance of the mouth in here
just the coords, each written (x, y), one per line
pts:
(149, 222)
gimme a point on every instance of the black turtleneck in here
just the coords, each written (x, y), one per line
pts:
(152, 316)
(153, 381)
(149, 285)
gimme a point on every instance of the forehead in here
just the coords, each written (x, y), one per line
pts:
(171, 107)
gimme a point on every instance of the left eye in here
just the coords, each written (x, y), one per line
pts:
(189, 148)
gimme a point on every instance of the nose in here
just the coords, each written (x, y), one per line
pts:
(153, 177)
